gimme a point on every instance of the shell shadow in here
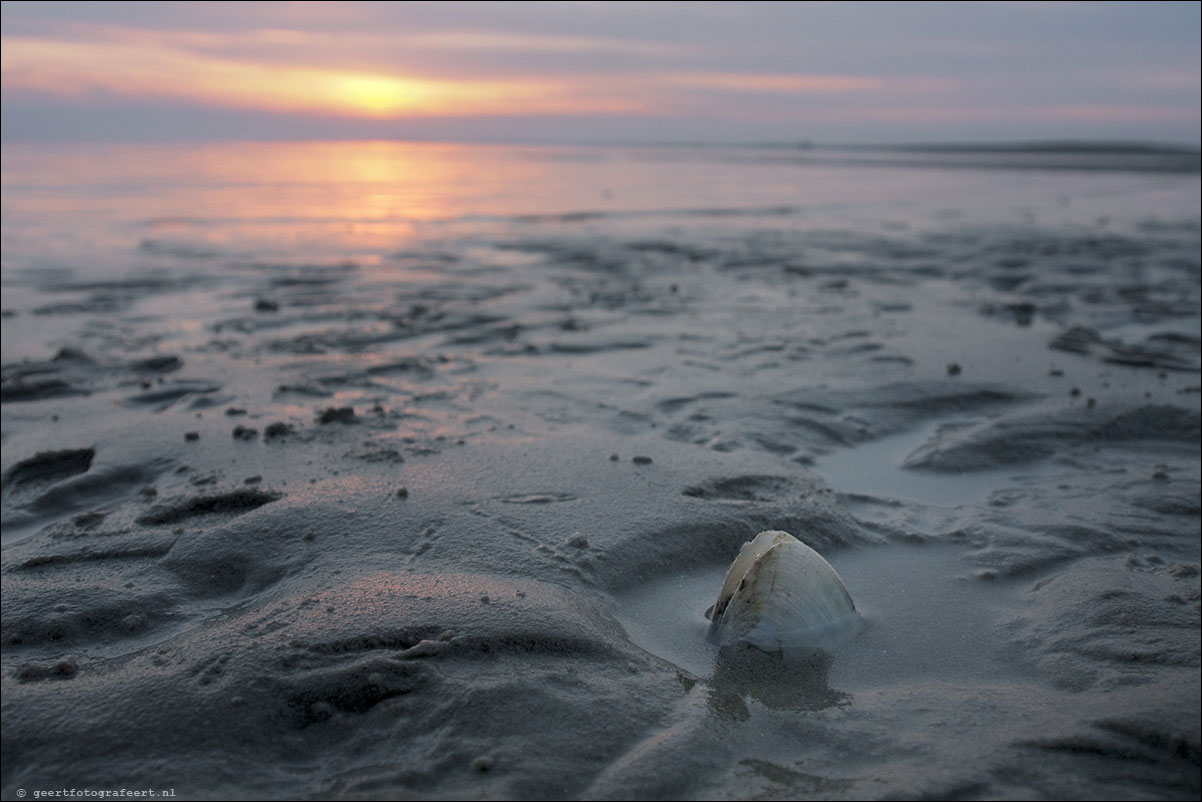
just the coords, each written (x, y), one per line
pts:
(795, 681)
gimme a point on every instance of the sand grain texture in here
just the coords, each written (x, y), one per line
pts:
(504, 453)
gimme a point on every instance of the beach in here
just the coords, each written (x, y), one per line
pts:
(393, 470)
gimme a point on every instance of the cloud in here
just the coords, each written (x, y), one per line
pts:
(764, 67)
(542, 43)
(142, 68)
(807, 84)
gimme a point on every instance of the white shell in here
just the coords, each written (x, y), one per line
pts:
(780, 593)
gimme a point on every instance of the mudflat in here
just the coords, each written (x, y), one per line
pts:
(393, 470)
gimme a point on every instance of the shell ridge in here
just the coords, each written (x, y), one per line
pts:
(781, 593)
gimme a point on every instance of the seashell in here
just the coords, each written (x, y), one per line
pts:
(780, 593)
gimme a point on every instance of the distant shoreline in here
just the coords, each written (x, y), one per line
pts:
(1057, 155)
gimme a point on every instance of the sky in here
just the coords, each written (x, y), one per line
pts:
(602, 72)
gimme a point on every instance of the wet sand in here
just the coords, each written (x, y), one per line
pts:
(314, 485)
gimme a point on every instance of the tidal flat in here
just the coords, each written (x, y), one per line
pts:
(372, 470)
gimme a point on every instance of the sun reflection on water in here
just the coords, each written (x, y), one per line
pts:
(238, 200)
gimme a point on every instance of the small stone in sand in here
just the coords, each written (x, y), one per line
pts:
(62, 669)
(245, 433)
(402, 492)
(264, 305)
(337, 414)
(641, 460)
(482, 764)
(953, 369)
(277, 429)
(1074, 392)
(252, 480)
(613, 457)
(234, 411)
(190, 436)
(578, 541)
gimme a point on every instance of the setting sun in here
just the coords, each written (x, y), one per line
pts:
(377, 95)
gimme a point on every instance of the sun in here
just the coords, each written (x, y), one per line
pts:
(377, 96)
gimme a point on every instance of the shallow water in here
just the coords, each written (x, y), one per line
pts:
(385, 469)
(923, 620)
